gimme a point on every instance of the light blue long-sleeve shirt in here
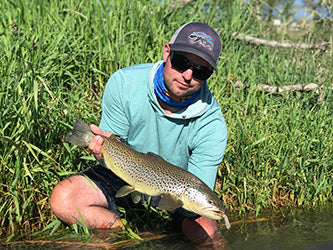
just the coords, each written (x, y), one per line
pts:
(194, 138)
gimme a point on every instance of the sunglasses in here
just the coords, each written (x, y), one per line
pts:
(181, 64)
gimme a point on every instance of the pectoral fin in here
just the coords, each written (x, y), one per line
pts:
(169, 202)
(125, 190)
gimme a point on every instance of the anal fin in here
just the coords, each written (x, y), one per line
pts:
(136, 196)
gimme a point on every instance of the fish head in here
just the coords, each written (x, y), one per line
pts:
(204, 202)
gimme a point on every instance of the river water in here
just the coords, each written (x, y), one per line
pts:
(294, 230)
(310, 230)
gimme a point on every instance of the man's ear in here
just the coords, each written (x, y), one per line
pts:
(166, 52)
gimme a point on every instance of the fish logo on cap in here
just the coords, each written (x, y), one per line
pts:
(203, 39)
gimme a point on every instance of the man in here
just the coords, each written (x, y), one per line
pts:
(164, 108)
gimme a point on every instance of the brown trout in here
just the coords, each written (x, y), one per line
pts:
(152, 175)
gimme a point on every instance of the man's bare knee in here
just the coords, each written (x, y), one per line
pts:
(59, 202)
(73, 194)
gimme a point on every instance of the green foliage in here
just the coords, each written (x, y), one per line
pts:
(56, 57)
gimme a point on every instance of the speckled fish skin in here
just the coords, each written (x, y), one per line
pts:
(151, 175)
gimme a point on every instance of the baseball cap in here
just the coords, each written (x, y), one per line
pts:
(200, 39)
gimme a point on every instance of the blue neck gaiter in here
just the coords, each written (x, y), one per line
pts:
(166, 96)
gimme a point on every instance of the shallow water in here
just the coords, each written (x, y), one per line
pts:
(298, 230)
(310, 230)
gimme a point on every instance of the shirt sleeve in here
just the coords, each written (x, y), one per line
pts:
(114, 101)
(208, 146)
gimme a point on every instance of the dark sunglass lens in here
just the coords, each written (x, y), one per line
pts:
(181, 63)
(202, 74)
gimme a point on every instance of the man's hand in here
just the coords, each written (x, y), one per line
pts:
(95, 145)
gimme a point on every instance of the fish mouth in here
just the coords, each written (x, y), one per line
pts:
(218, 213)
(215, 213)
(224, 216)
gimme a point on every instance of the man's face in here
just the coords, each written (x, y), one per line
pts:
(182, 83)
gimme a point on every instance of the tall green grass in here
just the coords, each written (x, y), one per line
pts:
(57, 56)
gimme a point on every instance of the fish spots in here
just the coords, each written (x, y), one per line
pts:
(152, 175)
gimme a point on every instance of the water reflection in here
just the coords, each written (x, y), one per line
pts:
(310, 230)
(215, 242)
(289, 230)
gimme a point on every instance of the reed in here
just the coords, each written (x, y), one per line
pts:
(56, 58)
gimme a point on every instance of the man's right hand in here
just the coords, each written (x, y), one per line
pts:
(95, 145)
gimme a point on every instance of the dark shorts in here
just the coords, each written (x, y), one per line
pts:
(109, 184)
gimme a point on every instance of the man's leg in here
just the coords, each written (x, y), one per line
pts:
(77, 193)
(204, 233)
(199, 228)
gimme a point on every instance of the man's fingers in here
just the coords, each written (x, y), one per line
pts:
(99, 141)
(95, 146)
(97, 131)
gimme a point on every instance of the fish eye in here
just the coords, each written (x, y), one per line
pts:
(211, 202)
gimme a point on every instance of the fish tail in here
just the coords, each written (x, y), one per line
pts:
(81, 134)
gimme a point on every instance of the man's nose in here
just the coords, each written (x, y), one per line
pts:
(187, 74)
